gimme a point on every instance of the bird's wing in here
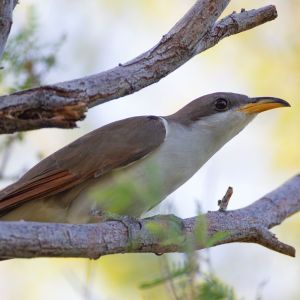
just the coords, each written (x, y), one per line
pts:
(95, 154)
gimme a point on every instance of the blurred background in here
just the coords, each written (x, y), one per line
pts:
(53, 41)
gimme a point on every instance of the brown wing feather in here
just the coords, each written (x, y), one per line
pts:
(93, 155)
(34, 189)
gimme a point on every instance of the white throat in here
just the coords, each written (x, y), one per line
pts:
(187, 148)
(183, 152)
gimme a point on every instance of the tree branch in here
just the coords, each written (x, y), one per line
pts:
(6, 10)
(250, 224)
(62, 104)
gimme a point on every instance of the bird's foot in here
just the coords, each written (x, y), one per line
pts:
(127, 221)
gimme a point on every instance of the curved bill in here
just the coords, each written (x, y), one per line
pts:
(259, 104)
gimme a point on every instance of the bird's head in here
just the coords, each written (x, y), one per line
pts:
(224, 114)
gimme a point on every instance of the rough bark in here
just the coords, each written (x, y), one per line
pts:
(250, 224)
(6, 10)
(62, 104)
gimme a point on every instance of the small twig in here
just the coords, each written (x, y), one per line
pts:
(269, 240)
(250, 224)
(225, 200)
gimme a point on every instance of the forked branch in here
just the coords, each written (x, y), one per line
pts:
(62, 104)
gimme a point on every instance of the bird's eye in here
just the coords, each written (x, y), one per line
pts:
(221, 104)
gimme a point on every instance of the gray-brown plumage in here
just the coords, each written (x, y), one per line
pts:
(84, 161)
(148, 157)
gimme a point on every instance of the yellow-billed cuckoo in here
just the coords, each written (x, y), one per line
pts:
(129, 166)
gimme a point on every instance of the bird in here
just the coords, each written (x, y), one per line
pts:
(129, 166)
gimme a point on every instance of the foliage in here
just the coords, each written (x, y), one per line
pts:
(189, 281)
(213, 289)
(25, 63)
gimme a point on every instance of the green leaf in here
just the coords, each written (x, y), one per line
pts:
(214, 289)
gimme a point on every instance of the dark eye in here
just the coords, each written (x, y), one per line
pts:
(221, 104)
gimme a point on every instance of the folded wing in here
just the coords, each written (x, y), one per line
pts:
(93, 155)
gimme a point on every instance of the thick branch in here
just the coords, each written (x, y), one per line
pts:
(62, 104)
(250, 224)
(6, 10)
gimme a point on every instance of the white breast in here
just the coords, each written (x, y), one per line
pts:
(157, 175)
(136, 188)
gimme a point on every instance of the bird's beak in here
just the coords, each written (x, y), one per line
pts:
(259, 104)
